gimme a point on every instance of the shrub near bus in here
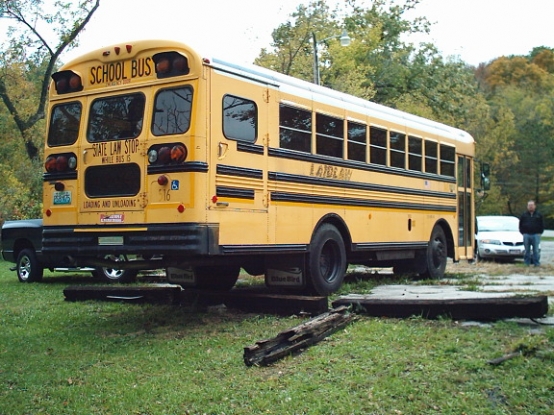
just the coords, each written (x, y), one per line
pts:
(202, 167)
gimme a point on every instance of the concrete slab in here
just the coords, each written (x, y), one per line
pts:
(481, 286)
(477, 308)
(430, 292)
(479, 297)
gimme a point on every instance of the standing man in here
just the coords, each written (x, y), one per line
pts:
(531, 225)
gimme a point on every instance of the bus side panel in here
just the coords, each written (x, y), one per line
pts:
(238, 164)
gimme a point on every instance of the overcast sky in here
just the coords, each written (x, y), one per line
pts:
(474, 30)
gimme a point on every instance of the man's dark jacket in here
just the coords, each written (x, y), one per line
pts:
(531, 223)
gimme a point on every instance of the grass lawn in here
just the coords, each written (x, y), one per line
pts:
(59, 357)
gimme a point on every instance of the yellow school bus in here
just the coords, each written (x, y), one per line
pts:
(159, 158)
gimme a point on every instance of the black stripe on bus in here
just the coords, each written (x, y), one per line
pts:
(261, 249)
(346, 201)
(239, 171)
(234, 192)
(72, 175)
(294, 178)
(187, 167)
(250, 148)
(358, 165)
(301, 248)
(388, 246)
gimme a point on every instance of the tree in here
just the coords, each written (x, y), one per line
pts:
(533, 143)
(341, 68)
(518, 71)
(378, 65)
(393, 63)
(520, 143)
(37, 39)
(543, 57)
(20, 193)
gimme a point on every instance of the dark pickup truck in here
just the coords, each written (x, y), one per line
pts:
(21, 242)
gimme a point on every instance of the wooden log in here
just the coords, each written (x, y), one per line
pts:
(297, 338)
(493, 308)
(136, 294)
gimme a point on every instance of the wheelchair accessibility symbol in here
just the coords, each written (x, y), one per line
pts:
(175, 185)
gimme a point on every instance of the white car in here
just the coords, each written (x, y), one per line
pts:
(498, 237)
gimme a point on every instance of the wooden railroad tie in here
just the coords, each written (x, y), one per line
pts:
(297, 338)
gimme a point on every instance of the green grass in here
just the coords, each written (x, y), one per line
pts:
(59, 357)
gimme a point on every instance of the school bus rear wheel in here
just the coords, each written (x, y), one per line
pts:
(326, 260)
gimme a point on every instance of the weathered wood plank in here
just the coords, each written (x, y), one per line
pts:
(254, 301)
(297, 338)
(138, 294)
(493, 308)
(249, 300)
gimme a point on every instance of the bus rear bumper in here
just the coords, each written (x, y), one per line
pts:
(168, 242)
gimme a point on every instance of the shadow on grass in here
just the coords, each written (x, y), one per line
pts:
(88, 279)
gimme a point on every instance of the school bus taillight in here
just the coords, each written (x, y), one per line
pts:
(171, 64)
(163, 180)
(178, 153)
(60, 163)
(162, 155)
(67, 81)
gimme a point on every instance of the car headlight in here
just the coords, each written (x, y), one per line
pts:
(490, 241)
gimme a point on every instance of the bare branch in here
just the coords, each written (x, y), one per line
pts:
(15, 10)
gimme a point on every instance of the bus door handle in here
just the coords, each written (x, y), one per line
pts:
(85, 152)
(222, 150)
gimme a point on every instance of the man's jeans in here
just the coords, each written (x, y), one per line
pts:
(531, 242)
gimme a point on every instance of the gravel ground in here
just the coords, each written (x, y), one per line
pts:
(502, 268)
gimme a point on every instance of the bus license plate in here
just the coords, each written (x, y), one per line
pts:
(110, 240)
(62, 198)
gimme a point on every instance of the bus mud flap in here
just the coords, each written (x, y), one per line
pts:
(287, 272)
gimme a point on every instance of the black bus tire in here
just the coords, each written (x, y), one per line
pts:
(436, 255)
(326, 260)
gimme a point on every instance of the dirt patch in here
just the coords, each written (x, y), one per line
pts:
(493, 268)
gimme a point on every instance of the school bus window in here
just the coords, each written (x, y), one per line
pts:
(64, 124)
(464, 172)
(112, 180)
(431, 157)
(116, 118)
(356, 141)
(378, 146)
(295, 129)
(240, 119)
(172, 111)
(329, 135)
(468, 171)
(397, 149)
(414, 153)
(448, 160)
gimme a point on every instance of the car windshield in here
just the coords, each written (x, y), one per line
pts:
(498, 225)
